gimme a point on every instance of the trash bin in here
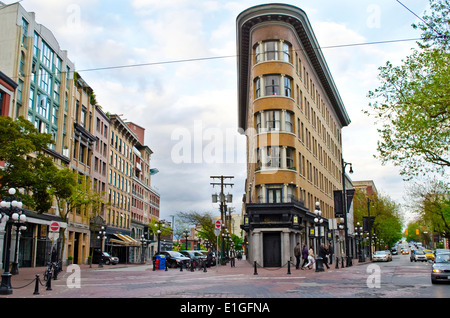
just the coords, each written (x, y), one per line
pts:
(162, 261)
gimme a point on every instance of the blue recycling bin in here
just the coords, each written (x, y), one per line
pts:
(162, 261)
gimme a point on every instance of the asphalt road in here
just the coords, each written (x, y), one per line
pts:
(238, 286)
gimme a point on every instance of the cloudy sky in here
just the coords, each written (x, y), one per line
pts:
(170, 66)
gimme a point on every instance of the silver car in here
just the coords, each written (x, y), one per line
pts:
(380, 256)
(440, 271)
(418, 255)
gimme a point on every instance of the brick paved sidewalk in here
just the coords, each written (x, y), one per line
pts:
(24, 283)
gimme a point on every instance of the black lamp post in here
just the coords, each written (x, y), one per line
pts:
(348, 251)
(101, 236)
(359, 233)
(20, 226)
(318, 221)
(11, 212)
(186, 233)
(369, 225)
(163, 223)
(144, 243)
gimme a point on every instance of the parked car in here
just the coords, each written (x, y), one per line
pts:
(440, 271)
(194, 256)
(417, 255)
(175, 259)
(380, 256)
(394, 251)
(205, 253)
(389, 254)
(441, 250)
(106, 258)
(429, 254)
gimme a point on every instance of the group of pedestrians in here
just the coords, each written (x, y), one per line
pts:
(307, 255)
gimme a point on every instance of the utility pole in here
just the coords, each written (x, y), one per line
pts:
(223, 206)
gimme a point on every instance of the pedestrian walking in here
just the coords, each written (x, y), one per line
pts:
(304, 256)
(297, 253)
(330, 252)
(311, 260)
(232, 258)
(209, 257)
(323, 254)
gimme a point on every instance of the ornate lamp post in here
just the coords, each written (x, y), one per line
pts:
(359, 233)
(144, 243)
(163, 224)
(20, 226)
(186, 233)
(344, 204)
(11, 212)
(318, 220)
(101, 236)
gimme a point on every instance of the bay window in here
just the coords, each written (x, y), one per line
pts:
(273, 50)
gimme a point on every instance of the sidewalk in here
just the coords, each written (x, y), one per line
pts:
(24, 283)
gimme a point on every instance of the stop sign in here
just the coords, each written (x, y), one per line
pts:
(218, 224)
(54, 226)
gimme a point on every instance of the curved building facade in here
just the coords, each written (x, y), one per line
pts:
(292, 114)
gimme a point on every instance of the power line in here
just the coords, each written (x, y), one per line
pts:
(223, 57)
(233, 56)
(438, 33)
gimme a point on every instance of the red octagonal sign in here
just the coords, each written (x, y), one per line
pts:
(218, 224)
(54, 226)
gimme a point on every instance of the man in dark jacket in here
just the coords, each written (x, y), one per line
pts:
(323, 254)
(297, 253)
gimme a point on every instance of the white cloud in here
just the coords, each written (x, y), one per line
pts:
(163, 97)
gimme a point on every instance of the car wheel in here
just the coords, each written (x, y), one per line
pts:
(107, 262)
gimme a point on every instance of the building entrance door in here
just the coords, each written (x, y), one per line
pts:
(272, 249)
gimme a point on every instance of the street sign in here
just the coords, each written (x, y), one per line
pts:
(54, 226)
(217, 232)
(218, 224)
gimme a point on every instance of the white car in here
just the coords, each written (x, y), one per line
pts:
(380, 256)
(418, 255)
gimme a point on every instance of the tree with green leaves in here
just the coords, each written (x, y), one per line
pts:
(74, 193)
(27, 166)
(388, 219)
(430, 201)
(412, 104)
(203, 221)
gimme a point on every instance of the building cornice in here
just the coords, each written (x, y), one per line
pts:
(297, 18)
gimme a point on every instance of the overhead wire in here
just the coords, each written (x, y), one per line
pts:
(222, 57)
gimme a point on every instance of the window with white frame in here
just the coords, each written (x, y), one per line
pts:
(273, 50)
(273, 120)
(271, 85)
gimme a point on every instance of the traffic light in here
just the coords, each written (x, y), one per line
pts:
(417, 231)
(406, 232)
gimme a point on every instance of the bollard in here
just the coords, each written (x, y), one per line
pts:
(337, 262)
(181, 267)
(319, 264)
(154, 266)
(342, 265)
(289, 267)
(36, 286)
(204, 267)
(192, 265)
(49, 281)
(255, 272)
(165, 268)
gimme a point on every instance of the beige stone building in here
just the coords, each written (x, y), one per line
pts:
(291, 112)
